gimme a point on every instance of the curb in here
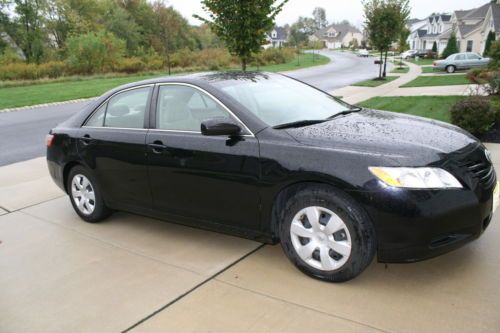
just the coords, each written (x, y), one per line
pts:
(46, 104)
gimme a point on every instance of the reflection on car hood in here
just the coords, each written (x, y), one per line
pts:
(411, 140)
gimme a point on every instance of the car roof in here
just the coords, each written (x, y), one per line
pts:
(202, 78)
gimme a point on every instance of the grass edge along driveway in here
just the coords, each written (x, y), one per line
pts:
(434, 107)
(375, 82)
(50, 92)
(437, 80)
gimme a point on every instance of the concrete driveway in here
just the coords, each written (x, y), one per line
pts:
(59, 274)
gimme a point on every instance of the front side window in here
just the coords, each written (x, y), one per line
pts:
(124, 110)
(184, 108)
(278, 100)
(473, 56)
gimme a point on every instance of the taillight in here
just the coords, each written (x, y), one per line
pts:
(49, 140)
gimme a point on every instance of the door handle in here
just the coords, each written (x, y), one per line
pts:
(86, 139)
(157, 147)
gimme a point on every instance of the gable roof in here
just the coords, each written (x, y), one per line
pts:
(478, 13)
(466, 29)
(495, 12)
(342, 29)
(281, 33)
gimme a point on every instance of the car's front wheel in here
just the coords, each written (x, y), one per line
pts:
(86, 196)
(450, 69)
(326, 234)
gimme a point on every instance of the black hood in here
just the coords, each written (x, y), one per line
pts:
(409, 140)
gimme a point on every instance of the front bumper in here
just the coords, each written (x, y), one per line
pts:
(416, 225)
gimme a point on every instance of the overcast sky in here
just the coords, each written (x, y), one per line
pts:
(336, 10)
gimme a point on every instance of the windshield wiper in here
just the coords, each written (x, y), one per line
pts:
(345, 112)
(299, 123)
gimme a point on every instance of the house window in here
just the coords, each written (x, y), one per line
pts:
(469, 46)
(274, 34)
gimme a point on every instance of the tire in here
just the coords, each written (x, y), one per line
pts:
(317, 254)
(450, 69)
(82, 182)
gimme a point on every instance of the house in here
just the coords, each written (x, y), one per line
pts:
(10, 42)
(276, 37)
(336, 36)
(470, 26)
(435, 28)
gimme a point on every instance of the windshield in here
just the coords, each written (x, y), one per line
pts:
(278, 100)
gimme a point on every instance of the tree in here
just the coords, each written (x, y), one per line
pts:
(30, 23)
(489, 40)
(94, 52)
(384, 20)
(173, 31)
(241, 24)
(451, 47)
(434, 47)
(402, 43)
(319, 15)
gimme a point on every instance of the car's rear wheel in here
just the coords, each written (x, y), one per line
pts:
(326, 234)
(450, 69)
(86, 196)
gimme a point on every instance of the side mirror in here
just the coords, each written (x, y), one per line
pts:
(220, 126)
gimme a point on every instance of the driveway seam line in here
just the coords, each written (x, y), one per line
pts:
(8, 211)
(178, 298)
(112, 244)
(35, 204)
(302, 306)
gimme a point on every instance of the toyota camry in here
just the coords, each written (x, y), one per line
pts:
(266, 157)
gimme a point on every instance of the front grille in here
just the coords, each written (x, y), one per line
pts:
(479, 168)
(482, 171)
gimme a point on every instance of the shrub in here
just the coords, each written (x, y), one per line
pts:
(495, 55)
(94, 52)
(130, 65)
(474, 114)
(451, 47)
(22, 71)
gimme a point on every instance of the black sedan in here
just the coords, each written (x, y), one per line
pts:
(266, 157)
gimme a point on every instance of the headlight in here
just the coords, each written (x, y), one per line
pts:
(416, 177)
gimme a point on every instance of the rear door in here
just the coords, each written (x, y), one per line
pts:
(460, 61)
(113, 144)
(209, 178)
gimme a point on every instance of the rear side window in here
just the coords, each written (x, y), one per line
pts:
(460, 57)
(124, 110)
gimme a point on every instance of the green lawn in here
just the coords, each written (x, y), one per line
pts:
(26, 95)
(305, 60)
(441, 80)
(430, 70)
(435, 107)
(401, 70)
(375, 82)
(422, 62)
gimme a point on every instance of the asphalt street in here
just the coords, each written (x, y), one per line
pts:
(22, 132)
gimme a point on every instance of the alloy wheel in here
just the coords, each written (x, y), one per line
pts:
(320, 238)
(83, 194)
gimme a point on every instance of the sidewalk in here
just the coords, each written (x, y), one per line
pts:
(353, 94)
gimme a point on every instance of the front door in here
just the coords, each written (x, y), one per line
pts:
(209, 178)
(113, 144)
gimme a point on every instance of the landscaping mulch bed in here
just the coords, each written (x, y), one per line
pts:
(492, 136)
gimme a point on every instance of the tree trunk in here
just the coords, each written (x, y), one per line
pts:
(168, 63)
(385, 64)
(380, 65)
(244, 64)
